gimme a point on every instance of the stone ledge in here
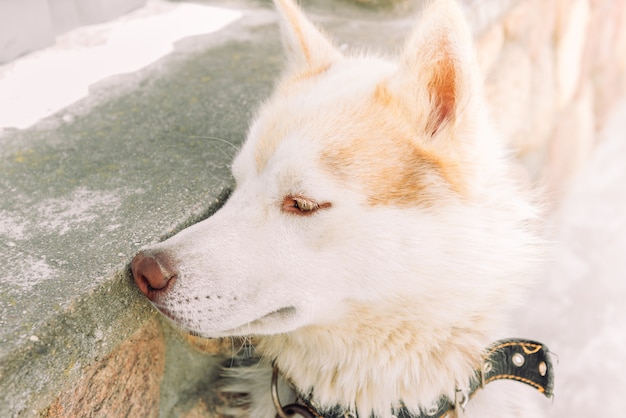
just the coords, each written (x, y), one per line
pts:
(84, 189)
(66, 343)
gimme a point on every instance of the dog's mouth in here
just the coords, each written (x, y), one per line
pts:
(279, 314)
(267, 324)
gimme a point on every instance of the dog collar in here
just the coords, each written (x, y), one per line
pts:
(520, 360)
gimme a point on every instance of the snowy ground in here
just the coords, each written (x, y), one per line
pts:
(41, 83)
(580, 309)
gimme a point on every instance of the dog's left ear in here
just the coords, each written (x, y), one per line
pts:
(309, 52)
(438, 74)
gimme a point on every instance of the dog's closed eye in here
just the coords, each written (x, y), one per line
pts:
(302, 206)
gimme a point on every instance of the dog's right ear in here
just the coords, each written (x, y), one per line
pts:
(309, 52)
(438, 75)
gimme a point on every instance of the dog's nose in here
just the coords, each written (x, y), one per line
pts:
(153, 273)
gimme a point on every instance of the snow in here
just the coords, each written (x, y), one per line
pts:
(579, 310)
(40, 84)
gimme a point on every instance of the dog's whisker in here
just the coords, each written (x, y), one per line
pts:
(233, 352)
(228, 155)
(222, 140)
(160, 306)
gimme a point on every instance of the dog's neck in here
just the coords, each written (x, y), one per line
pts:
(372, 364)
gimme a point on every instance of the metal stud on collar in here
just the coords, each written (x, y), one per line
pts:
(518, 359)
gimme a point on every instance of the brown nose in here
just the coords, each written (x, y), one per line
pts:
(153, 272)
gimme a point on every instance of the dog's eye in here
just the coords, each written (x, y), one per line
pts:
(302, 205)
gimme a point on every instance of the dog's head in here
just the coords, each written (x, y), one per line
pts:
(363, 182)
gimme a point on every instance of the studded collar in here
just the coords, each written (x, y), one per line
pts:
(520, 360)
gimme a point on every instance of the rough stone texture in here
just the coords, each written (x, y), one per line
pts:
(200, 410)
(571, 35)
(56, 349)
(552, 80)
(124, 383)
(145, 155)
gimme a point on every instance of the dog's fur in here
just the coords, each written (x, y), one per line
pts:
(376, 238)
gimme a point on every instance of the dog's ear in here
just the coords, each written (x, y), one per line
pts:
(438, 73)
(308, 50)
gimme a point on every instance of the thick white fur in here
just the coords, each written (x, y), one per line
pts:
(374, 300)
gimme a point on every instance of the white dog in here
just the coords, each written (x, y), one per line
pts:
(375, 242)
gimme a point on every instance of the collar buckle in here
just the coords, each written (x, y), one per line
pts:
(461, 398)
